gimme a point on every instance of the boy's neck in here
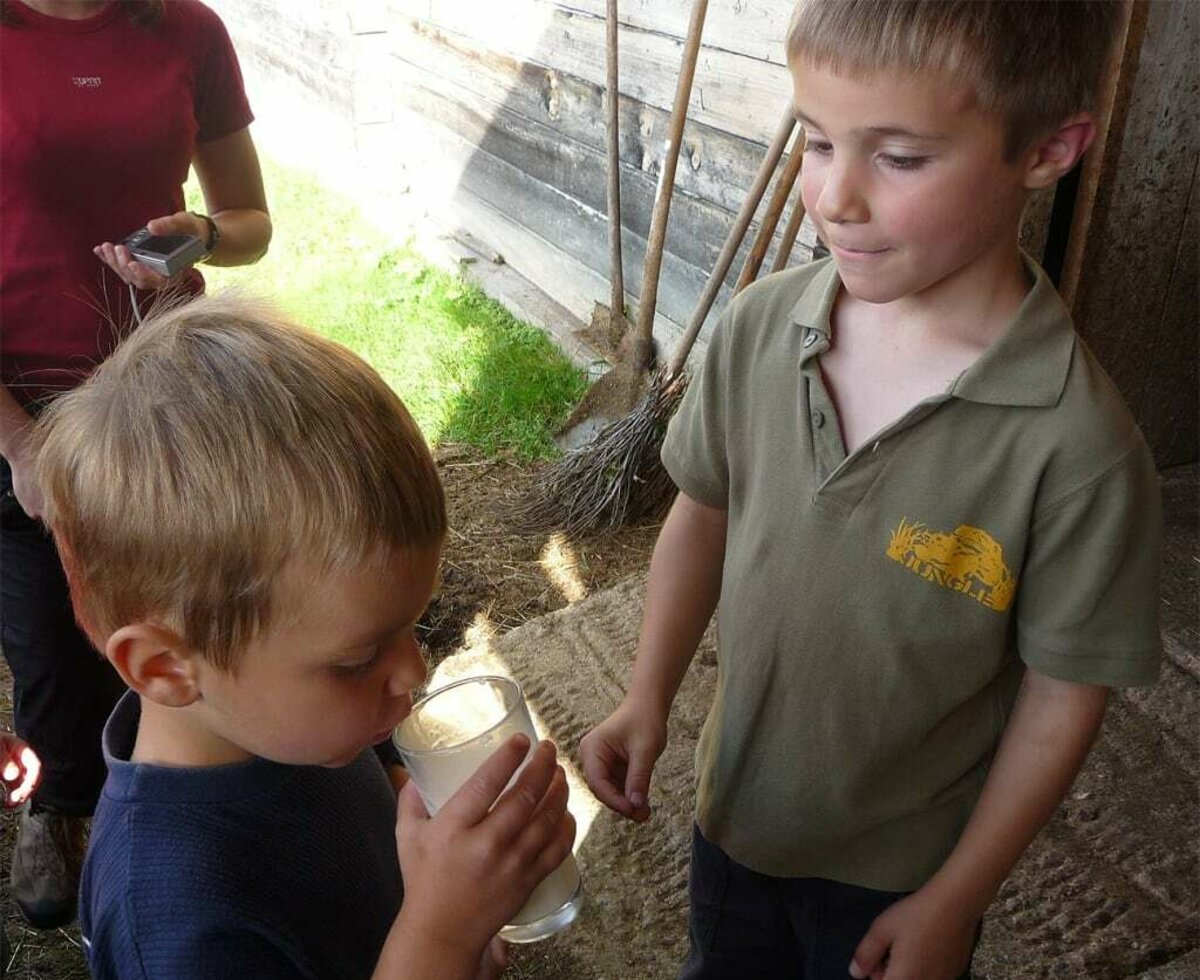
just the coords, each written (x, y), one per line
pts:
(170, 736)
(973, 306)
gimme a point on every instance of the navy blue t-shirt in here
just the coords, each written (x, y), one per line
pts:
(256, 869)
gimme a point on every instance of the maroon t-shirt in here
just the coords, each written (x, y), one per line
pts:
(99, 121)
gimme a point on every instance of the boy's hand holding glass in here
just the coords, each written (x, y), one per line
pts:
(20, 769)
(469, 869)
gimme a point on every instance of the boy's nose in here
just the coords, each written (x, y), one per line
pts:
(408, 672)
(841, 199)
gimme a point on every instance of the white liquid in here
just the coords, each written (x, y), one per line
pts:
(450, 724)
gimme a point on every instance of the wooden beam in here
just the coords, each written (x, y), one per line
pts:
(1112, 106)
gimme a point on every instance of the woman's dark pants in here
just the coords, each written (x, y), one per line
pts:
(63, 689)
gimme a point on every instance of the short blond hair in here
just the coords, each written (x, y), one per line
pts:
(217, 444)
(1034, 62)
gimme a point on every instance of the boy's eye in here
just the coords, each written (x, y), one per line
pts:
(358, 669)
(817, 146)
(903, 163)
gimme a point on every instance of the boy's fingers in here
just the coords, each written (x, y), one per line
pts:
(475, 797)
(603, 772)
(870, 952)
(517, 807)
(411, 808)
(637, 786)
(540, 828)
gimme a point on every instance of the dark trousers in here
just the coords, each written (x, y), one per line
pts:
(63, 689)
(744, 924)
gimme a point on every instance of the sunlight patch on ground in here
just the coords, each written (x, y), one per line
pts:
(480, 659)
(560, 562)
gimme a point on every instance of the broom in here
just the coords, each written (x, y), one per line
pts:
(618, 477)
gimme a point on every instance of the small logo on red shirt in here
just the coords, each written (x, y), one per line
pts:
(86, 81)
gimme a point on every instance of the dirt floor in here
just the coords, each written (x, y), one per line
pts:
(1109, 891)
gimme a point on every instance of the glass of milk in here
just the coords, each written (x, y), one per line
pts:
(448, 735)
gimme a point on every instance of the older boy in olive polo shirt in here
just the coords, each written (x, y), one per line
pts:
(915, 494)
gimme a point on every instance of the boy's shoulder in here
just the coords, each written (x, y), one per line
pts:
(257, 853)
(215, 827)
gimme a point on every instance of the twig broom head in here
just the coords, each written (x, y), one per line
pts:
(617, 478)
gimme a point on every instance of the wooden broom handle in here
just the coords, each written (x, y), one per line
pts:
(666, 179)
(734, 240)
(612, 104)
(762, 241)
(790, 232)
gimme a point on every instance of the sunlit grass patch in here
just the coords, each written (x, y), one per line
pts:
(468, 371)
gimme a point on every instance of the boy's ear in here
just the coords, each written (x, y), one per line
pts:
(154, 662)
(1052, 156)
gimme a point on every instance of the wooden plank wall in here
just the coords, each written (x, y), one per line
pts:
(513, 94)
(1137, 304)
(493, 112)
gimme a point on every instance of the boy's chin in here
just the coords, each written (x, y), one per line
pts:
(342, 761)
(867, 291)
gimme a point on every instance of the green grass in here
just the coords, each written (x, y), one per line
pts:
(467, 370)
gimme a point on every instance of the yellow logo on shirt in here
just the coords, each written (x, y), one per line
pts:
(969, 561)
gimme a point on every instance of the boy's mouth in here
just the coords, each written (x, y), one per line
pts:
(855, 253)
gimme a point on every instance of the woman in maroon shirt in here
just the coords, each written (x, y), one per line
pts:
(104, 105)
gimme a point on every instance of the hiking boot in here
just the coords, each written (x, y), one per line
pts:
(46, 862)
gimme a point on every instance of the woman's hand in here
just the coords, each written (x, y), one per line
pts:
(20, 769)
(24, 482)
(121, 261)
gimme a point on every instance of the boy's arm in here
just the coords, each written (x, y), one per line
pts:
(618, 755)
(929, 934)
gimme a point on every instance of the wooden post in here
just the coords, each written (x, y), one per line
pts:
(666, 183)
(612, 105)
(1111, 106)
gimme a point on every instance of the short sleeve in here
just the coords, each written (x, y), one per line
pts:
(694, 451)
(1087, 606)
(221, 104)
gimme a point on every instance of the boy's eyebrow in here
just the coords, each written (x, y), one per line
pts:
(872, 130)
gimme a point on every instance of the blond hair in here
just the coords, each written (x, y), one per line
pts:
(1034, 62)
(217, 444)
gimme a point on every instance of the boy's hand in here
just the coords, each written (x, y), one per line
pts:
(918, 938)
(472, 866)
(618, 757)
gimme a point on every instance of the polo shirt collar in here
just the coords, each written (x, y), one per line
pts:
(1025, 365)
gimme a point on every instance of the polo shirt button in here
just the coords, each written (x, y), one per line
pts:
(810, 338)
(818, 418)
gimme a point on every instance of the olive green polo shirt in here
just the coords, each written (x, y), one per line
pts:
(877, 609)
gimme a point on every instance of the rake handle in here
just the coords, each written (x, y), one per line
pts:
(666, 179)
(762, 241)
(612, 107)
(734, 241)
